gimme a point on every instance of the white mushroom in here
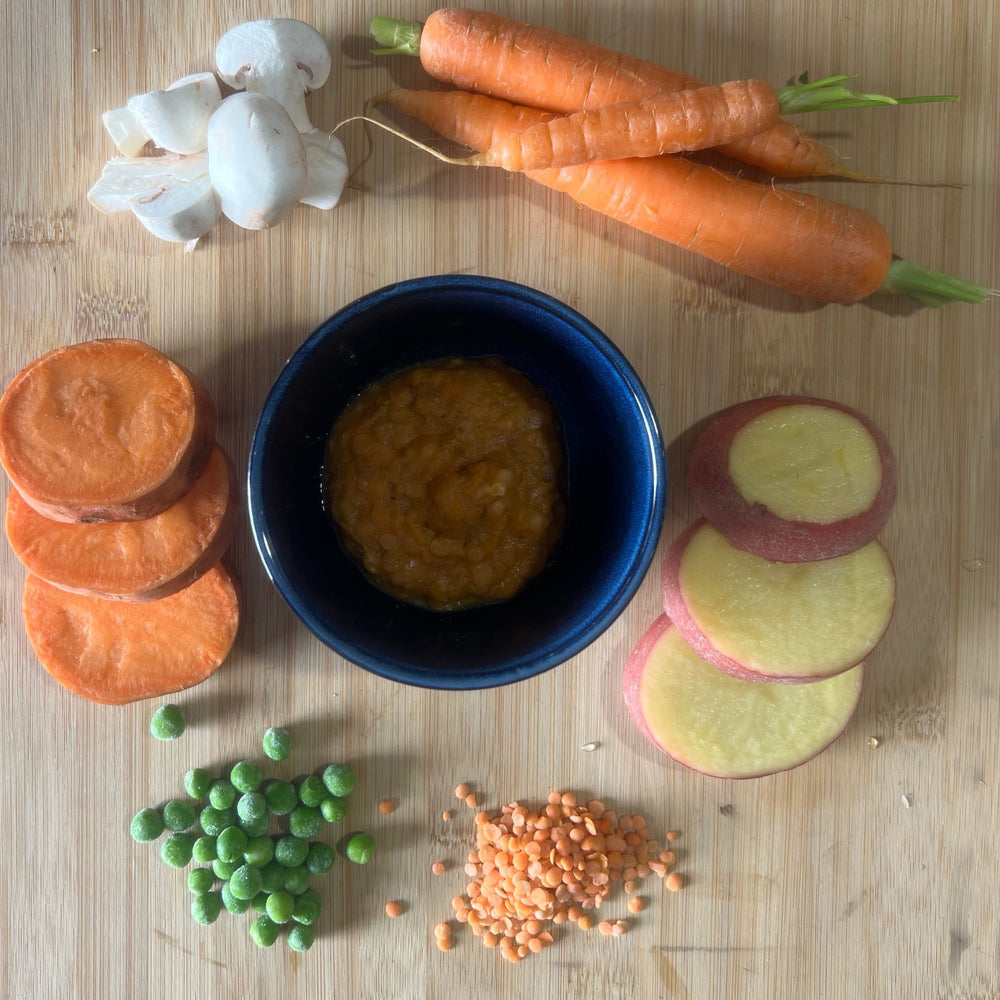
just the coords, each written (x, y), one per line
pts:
(124, 179)
(256, 160)
(174, 119)
(179, 212)
(327, 169)
(279, 57)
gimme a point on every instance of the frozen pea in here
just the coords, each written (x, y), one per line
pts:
(245, 882)
(259, 902)
(251, 807)
(360, 848)
(224, 869)
(232, 903)
(222, 794)
(273, 875)
(259, 851)
(312, 791)
(305, 822)
(176, 850)
(203, 851)
(197, 782)
(291, 851)
(297, 879)
(301, 936)
(245, 776)
(264, 931)
(206, 907)
(307, 907)
(277, 743)
(320, 858)
(200, 880)
(253, 828)
(146, 825)
(339, 779)
(333, 808)
(281, 797)
(167, 722)
(231, 844)
(280, 906)
(178, 814)
(213, 821)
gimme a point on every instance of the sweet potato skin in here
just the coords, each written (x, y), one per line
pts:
(132, 560)
(105, 430)
(115, 652)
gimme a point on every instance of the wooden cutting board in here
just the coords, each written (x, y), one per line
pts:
(870, 872)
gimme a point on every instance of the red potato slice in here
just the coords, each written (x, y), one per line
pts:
(104, 430)
(115, 652)
(726, 727)
(794, 478)
(132, 560)
(763, 620)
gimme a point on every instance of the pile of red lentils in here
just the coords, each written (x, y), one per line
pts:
(555, 865)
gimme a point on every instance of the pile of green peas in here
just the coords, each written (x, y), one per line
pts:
(224, 826)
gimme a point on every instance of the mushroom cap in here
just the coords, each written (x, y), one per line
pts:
(256, 160)
(273, 43)
(179, 212)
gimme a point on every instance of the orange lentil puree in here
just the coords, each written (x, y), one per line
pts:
(445, 482)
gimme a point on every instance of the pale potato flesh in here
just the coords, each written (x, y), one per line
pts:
(724, 726)
(795, 620)
(806, 463)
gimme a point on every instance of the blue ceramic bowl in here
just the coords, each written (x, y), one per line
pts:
(616, 482)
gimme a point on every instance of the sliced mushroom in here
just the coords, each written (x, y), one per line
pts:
(256, 160)
(125, 179)
(326, 161)
(179, 212)
(279, 57)
(174, 119)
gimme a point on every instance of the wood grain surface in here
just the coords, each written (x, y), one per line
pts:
(867, 873)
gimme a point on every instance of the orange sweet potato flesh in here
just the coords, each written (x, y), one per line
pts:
(132, 560)
(104, 430)
(116, 652)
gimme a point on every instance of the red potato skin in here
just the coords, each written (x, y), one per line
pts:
(751, 526)
(634, 666)
(677, 609)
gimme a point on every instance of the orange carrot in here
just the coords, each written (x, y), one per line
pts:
(116, 652)
(132, 560)
(810, 246)
(535, 66)
(106, 430)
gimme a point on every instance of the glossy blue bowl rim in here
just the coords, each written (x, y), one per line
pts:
(555, 651)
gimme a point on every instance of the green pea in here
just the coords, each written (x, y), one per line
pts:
(232, 903)
(197, 782)
(281, 797)
(178, 814)
(245, 776)
(297, 879)
(360, 848)
(213, 821)
(222, 794)
(245, 882)
(264, 931)
(224, 869)
(305, 822)
(206, 907)
(333, 808)
(231, 844)
(259, 902)
(146, 825)
(339, 779)
(273, 875)
(176, 850)
(291, 851)
(167, 722)
(312, 791)
(307, 907)
(200, 880)
(280, 906)
(320, 858)
(259, 851)
(253, 828)
(251, 807)
(277, 743)
(301, 937)
(203, 850)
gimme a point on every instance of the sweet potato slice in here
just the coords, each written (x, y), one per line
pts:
(105, 430)
(115, 652)
(132, 560)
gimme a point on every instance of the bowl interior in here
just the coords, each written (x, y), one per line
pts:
(615, 482)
